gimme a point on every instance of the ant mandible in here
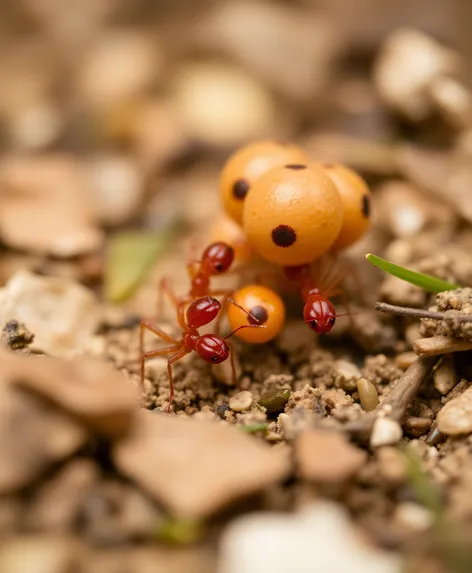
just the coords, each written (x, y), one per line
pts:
(209, 347)
(318, 312)
(216, 259)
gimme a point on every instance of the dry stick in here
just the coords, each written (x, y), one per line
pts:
(419, 313)
(395, 404)
(435, 345)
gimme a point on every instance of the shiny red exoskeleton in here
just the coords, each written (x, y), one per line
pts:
(319, 312)
(216, 260)
(209, 347)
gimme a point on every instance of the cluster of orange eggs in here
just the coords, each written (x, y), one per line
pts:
(290, 211)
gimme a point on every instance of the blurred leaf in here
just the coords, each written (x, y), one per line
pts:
(426, 492)
(130, 257)
(179, 531)
(426, 282)
(253, 428)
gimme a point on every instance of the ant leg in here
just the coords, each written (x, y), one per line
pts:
(174, 358)
(144, 325)
(166, 288)
(225, 294)
(152, 354)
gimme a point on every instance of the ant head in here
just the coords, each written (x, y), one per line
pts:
(212, 349)
(218, 257)
(202, 311)
(319, 313)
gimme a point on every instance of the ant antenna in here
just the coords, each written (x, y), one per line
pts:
(251, 316)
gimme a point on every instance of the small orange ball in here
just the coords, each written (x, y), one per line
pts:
(263, 303)
(356, 198)
(227, 231)
(249, 163)
(293, 214)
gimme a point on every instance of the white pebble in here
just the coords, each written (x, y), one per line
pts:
(385, 432)
(241, 402)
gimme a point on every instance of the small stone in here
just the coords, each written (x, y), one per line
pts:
(195, 468)
(455, 417)
(413, 516)
(16, 335)
(385, 432)
(223, 372)
(320, 538)
(405, 359)
(392, 465)
(368, 395)
(445, 376)
(63, 314)
(347, 375)
(241, 402)
(327, 457)
(39, 554)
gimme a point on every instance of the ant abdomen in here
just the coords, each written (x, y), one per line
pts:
(202, 311)
(219, 256)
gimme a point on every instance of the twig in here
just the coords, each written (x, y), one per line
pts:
(436, 345)
(395, 404)
(418, 312)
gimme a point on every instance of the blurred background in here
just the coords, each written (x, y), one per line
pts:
(120, 114)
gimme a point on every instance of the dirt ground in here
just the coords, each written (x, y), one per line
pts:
(343, 452)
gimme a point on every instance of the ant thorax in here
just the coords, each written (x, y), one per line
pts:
(200, 285)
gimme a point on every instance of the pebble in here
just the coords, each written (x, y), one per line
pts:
(456, 416)
(62, 314)
(196, 468)
(391, 465)
(274, 400)
(368, 394)
(327, 457)
(319, 538)
(385, 432)
(347, 375)
(405, 359)
(445, 376)
(413, 516)
(241, 402)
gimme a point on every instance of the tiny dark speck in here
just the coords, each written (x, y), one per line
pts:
(284, 235)
(240, 189)
(260, 313)
(295, 166)
(366, 206)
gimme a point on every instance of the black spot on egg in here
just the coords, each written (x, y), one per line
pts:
(284, 235)
(259, 313)
(240, 189)
(295, 166)
(366, 206)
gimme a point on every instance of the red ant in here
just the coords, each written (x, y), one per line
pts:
(319, 312)
(216, 259)
(209, 347)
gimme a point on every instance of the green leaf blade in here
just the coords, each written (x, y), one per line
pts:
(421, 280)
(130, 257)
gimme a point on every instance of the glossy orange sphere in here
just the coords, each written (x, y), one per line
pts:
(293, 214)
(263, 303)
(356, 198)
(247, 164)
(226, 230)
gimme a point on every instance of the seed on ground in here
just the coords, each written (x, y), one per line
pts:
(368, 394)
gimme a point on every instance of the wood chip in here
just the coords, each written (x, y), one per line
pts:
(195, 468)
(327, 457)
(437, 345)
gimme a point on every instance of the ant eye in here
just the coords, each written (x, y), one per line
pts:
(332, 320)
(313, 324)
(214, 358)
(219, 267)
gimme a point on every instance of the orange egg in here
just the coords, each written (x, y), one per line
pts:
(293, 214)
(263, 303)
(355, 196)
(226, 230)
(249, 163)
